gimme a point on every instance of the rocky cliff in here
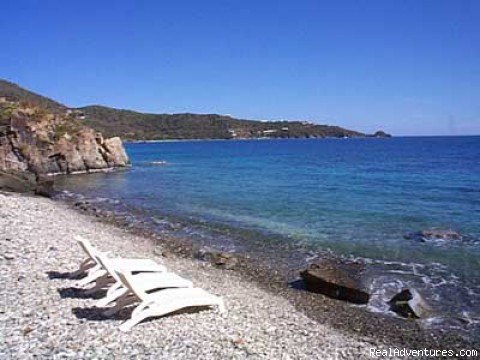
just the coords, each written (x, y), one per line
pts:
(37, 141)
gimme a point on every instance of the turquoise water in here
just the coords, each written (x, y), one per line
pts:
(353, 197)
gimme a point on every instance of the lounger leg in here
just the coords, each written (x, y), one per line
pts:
(92, 276)
(146, 310)
(127, 325)
(113, 294)
(140, 313)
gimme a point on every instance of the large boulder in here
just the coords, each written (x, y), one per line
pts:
(337, 279)
(21, 182)
(115, 152)
(69, 158)
(88, 144)
(409, 303)
(44, 186)
(40, 142)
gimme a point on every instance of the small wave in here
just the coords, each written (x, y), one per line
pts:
(158, 162)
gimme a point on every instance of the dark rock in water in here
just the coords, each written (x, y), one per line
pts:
(220, 259)
(83, 205)
(381, 134)
(410, 304)
(336, 279)
(434, 235)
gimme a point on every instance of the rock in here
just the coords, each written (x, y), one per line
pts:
(41, 142)
(205, 254)
(434, 235)
(166, 254)
(16, 181)
(336, 279)
(44, 186)
(410, 304)
(238, 342)
(381, 134)
(225, 260)
(115, 152)
(219, 259)
(158, 251)
(8, 256)
(27, 330)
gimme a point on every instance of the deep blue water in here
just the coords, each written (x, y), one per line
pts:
(354, 197)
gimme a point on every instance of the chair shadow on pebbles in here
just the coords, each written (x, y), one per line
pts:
(97, 314)
(76, 293)
(52, 275)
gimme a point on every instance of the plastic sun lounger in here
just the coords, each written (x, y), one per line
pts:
(165, 301)
(146, 281)
(100, 275)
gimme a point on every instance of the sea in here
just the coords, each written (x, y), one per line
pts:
(290, 201)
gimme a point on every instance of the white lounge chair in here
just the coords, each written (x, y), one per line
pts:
(100, 275)
(165, 301)
(147, 281)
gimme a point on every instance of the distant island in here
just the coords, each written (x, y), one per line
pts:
(136, 126)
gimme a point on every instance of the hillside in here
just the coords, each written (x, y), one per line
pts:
(131, 125)
(15, 93)
(139, 126)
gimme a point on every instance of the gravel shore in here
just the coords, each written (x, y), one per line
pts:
(41, 315)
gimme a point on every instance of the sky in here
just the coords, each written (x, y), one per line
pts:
(409, 67)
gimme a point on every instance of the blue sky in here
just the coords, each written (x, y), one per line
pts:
(409, 67)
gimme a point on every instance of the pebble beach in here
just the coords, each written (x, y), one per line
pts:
(43, 316)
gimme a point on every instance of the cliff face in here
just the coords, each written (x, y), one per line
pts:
(37, 141)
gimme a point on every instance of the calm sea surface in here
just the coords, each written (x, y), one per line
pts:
(352, 197)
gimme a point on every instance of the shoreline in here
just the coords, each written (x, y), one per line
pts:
(353, 319)
(43, 316)
(293, 138)
(250, 139)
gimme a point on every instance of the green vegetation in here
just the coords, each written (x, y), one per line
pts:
(66, 128)
(24, 149)
(131, 125)
(6, 110)
(13, 92)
